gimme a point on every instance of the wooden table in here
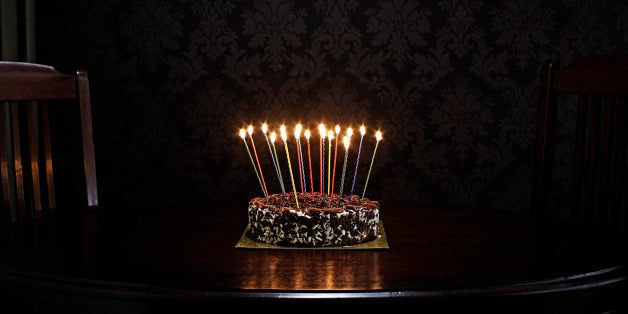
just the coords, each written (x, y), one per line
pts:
(438, 258)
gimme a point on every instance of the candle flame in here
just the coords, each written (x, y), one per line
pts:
(337, 129)
(250, 130)
(297, 131)
(378, 136)
(264, 128)
(273, 137)
(284, 135)
(330, 135)
(346, 140)
(321, 130)
(307, 134)
(242, 133)
(362, 130)
(349, 131)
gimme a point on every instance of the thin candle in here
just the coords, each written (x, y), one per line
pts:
(284, 137)
(304, 177)
(330, 136)
(297, 137)
(272, 156)
(273, 138)
(345, 140)
(243, 136)
(333, 176)
(261, 174)
(357, 161)
(309, 159)
(378, 137)
(321, 130)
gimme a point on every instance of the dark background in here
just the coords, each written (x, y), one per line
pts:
(452, 85)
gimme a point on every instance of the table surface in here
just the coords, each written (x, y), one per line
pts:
(191, 252)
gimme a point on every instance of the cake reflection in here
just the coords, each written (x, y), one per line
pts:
(311, 270)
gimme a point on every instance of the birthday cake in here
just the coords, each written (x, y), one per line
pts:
(318, 220)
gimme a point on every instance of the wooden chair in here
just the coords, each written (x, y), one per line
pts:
(32, 155)
(597, 88)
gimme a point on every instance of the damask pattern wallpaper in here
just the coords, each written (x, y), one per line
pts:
(452, 84)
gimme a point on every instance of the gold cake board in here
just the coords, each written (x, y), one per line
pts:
(379, 243)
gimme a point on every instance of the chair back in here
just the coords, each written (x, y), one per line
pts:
(595, 90)
(32, 155)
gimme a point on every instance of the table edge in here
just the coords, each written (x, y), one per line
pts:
(605, 277)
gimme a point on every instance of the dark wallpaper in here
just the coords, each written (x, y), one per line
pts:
(451, 84)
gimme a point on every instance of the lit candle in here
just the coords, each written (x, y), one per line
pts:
(349, 135)
(243, 136)
(309, 159)
(272, 156)
(378, 137)
(303, 175)
(284, 137)
(273, 137)
(250, 131)
(333, 176)
(297, 137)
(330, 136)
(349, 132)
(357, 161)
(321, 130)
(346, 140)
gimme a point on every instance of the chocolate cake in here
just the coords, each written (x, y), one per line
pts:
(319, 221)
